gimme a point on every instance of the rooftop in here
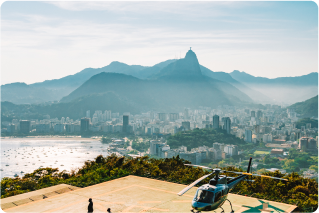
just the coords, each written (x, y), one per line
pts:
(127, 194)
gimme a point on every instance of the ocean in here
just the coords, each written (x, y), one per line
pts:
(24, 155)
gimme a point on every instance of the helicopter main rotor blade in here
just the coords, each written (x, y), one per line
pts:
(266, 176)
(193, 184)
(204, 167)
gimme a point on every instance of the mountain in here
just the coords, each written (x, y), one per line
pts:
(187, 66)
(149, 71)
(79, 78)
(283, 90)
(76, 80)
(304, 80)
(178, 85)
(54, 90)
(226, 77)
(99, 101)
(308, 108)
(59, 88)
(21, 93)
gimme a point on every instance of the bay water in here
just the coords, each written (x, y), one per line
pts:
(24, 155)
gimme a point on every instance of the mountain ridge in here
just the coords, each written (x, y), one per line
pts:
(180, 84)
(56, 89)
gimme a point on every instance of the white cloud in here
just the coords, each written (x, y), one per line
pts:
(76, 33)
(188, 9)
(127, 6)
(43, 48)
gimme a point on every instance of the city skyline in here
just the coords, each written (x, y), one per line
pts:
(55, 39)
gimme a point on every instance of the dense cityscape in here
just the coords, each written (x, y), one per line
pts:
(271, 130)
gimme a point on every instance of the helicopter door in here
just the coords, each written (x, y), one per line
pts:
(218, 196)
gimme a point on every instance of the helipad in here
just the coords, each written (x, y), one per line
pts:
(127, 194)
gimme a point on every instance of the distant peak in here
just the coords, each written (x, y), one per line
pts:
(190, 54)
(187, 66)
(116, 62)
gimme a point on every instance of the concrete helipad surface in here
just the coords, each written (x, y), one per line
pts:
(129, 194)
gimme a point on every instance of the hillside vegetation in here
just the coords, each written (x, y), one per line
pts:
(304, 121)
(200, 137)
(308, 108)
(298, 191)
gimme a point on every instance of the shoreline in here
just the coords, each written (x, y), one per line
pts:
(78, 138)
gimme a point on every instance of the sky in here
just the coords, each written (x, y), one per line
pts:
(49, 40)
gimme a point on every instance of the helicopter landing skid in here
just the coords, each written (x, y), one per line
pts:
(232, 211)
(194, 211)
(222, 209)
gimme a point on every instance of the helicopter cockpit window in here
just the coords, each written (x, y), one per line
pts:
(218, 196)
(204, 196)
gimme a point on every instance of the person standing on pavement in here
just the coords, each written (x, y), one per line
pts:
(90, 207)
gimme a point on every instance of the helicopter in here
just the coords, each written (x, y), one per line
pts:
(213, 195)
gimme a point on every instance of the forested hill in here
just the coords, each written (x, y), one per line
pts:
(308, 108)
(200, 137)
